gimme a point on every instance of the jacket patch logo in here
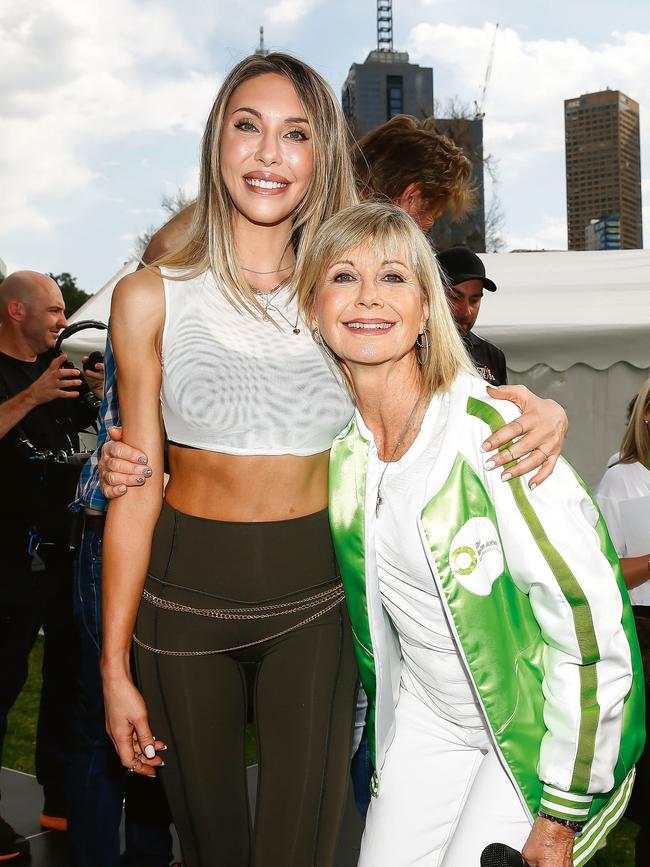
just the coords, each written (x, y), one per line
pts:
(475, 556)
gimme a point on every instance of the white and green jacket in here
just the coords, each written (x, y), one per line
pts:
(536, 601)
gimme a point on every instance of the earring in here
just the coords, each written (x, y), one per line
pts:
(422, 344)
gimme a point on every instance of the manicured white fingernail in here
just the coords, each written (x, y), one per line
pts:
(486, 446)
(122, 489)
(150, 751)
(490, 465)
(506, 477)
(532, 486)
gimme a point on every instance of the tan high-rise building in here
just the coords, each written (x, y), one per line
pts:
(603, 165)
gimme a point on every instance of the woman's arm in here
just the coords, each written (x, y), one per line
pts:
(137, 316)
(554, 556)
(636, 570)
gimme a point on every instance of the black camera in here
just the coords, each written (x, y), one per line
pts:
(93, 360)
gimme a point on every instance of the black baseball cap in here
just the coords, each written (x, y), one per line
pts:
(460, 264)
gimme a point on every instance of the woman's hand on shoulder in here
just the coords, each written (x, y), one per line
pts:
(121, 466)
(549, 844)
(539, 432)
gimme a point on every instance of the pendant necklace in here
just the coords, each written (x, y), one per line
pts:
(380, 500)
(292, 325)
(270, 306)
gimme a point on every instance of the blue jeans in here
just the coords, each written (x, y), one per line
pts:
(361, 771)
(98, 782)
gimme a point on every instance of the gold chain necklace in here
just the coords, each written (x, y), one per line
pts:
(276, 271)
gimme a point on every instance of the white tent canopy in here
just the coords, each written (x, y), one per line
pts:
(562, 309)
(574, 326)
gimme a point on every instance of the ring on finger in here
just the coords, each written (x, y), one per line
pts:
(543, 452)
(134, 766)
(509, 450)
(516, 421)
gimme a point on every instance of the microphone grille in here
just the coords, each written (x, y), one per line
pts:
(500, 855)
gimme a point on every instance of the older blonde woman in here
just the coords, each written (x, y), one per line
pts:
(492, 634)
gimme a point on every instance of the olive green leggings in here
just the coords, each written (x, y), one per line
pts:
(304, 695)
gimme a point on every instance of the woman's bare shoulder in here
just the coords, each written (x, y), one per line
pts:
(139, 296)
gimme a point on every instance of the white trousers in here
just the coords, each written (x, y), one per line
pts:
(443, 796)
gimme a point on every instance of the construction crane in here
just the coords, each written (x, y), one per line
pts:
(480, 106)
(384, 25)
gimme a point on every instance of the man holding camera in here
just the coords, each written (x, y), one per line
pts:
(41, 412)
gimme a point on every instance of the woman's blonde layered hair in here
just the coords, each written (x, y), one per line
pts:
(390, 230)
(636, 442)
(209, 243)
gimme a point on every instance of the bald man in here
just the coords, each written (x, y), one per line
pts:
(39, 412)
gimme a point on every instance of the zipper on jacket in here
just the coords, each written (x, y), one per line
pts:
(376, 774)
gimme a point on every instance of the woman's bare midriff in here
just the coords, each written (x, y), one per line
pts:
(246, 487)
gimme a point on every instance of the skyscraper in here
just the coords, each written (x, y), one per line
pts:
(386, 83)
(603, 165)
(467, 133)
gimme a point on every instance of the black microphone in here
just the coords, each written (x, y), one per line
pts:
(500, 855)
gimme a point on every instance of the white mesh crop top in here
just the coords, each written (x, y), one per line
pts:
(235, 384)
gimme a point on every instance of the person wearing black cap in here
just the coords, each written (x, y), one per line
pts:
(464, 274)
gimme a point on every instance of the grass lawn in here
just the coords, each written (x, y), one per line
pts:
(21, 725)
(21, 736)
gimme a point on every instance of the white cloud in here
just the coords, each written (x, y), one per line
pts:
(190, 183)
(290, 11)
(147, 212)
(11, 266)
(552, 235)
(531, 78)
(76, 74)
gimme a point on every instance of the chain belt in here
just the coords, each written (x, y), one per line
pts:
(329, 598)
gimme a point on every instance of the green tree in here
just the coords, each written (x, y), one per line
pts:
(73, 296)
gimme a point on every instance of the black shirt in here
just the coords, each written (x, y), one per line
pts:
(49, 427)
(488, 358)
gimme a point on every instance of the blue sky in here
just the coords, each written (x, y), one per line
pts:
(102, 103)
